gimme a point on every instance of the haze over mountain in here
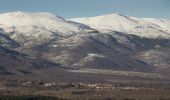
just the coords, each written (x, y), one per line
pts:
(112, 42)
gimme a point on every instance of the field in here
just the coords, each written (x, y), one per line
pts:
(86, 94)
(22, 90)
(82, 87)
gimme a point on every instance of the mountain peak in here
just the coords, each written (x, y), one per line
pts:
(39, 26)
(40, 19)
(21, 14)
(129, 25)
(115, 15)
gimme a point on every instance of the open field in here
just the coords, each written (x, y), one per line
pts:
(51, 90)
(83, 86)
(93, 94)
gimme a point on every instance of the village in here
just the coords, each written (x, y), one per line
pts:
(58, 85)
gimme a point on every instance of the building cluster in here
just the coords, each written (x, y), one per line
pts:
(56, 85)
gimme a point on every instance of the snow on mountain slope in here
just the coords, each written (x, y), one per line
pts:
(38, 26)
(127, 24)
(163, 23)
(6, 41)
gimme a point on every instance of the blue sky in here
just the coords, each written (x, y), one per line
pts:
(85, 8)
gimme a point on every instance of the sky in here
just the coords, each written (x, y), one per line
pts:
(87, 8)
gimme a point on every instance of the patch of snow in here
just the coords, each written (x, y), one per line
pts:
(95, 55)
(92, 56)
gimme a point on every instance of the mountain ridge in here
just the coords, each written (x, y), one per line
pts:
(127, 24)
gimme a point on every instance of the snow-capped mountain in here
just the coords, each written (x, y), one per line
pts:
(144, 27)
(38, 27)
(114, 42)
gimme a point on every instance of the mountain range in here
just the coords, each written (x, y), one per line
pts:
(112, 44)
